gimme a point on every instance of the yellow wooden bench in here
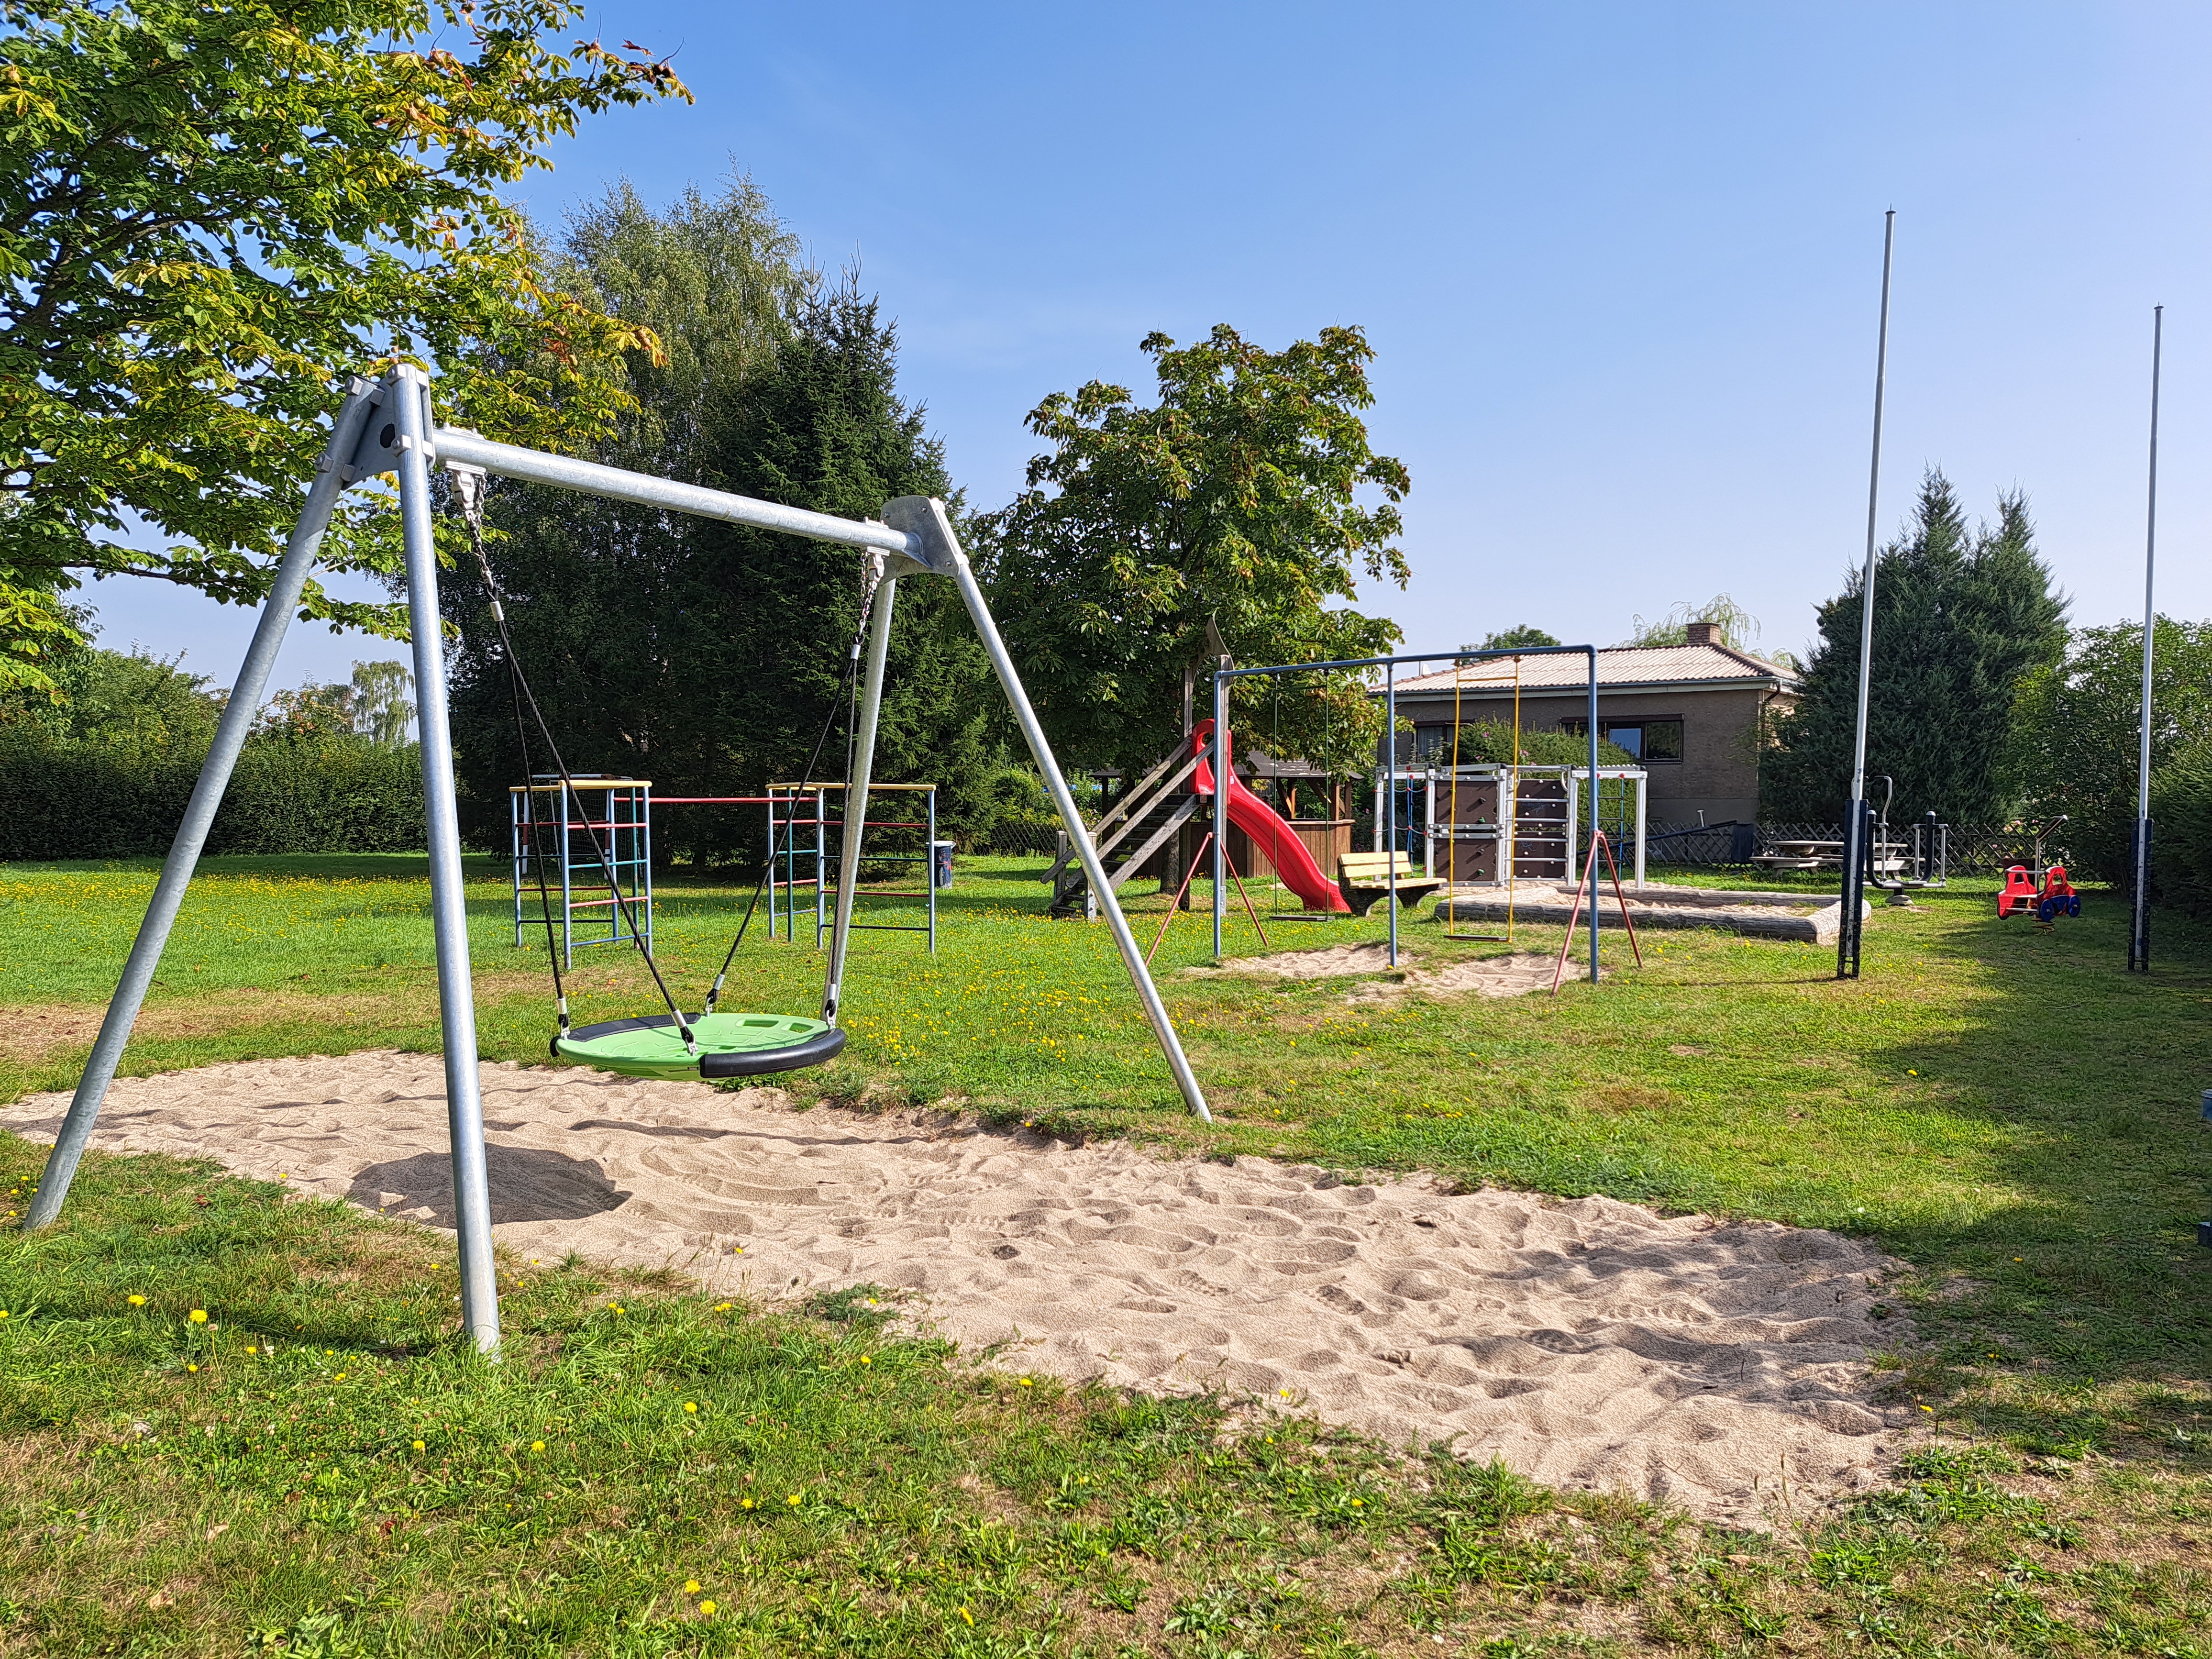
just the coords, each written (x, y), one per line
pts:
(1364, 877)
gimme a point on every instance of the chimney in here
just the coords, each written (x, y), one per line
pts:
(1702, 632)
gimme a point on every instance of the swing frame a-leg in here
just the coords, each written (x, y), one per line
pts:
(388, 428)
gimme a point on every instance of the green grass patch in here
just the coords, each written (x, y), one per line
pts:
(2003, 1108)
(322, 1468)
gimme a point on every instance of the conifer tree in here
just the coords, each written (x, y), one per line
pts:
(707, 656)
(1963, 617)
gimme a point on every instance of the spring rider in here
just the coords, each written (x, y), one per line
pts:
(2056, 898)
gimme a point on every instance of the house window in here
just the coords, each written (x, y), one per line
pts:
(1431, 743)
(1647, 740)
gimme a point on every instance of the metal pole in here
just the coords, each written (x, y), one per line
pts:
(410, 405)
(1642, 780)
(821, 858)
(1429, 830)
(641, 798)
(2139, 921)
(1391, 741)
(1571, 786)
(1220, 805)
(514, 851)
(571, 804)
(1094, 869)
(1847, 936)
(771, 861)
(930, 886)
(284, 589)
(856, 787)
(1594, 818)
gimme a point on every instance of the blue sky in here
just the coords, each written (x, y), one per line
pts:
(1620, 264)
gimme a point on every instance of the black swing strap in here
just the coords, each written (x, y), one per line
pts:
(469, 485)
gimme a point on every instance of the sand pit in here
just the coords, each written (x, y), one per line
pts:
(1590, 1343)
(1332, 962)
(1512, 975)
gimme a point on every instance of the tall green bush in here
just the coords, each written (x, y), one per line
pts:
(2081, 722)
(2181, 833)
(102, 800)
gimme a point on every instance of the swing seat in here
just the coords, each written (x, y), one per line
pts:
(730, 1045)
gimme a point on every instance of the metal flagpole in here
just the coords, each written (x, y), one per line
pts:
(2139, 921)
(329, 483)
(1855, 848)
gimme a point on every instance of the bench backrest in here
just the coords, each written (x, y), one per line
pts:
(1374, 867)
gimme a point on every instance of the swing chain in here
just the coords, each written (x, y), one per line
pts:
(470, 486)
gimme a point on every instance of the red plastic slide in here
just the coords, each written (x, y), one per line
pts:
(1268, 829)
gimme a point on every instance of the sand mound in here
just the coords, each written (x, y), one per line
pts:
(1335, 962)
(1588, 1343)
(1514, 975)
(1511, 975)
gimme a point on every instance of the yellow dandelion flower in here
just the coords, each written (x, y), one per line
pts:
(864, 1360)
(708, 1608)
(538, 1445)
(690, 1587)
(793, 1499)
(691, 1405)
(137, 1301)
(198, 1316)
(721, 1307)
(1027, 1384)
(748, 1503)
(191, 1368)
(418, 1445)
(968, 1616)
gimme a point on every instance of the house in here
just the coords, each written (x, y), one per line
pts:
(1692, 714)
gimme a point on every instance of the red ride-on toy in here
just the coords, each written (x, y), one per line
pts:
(2056, 898)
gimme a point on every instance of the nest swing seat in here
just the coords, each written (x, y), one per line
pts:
(729, 1045)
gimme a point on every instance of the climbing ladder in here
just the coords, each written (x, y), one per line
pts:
(1148, 816)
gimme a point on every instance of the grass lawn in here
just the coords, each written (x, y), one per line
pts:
(2004, 1108)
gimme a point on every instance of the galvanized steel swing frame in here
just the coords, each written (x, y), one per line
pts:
(387, 427)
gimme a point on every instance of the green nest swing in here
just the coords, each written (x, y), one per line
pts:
(729, 1045)
(712, 1045)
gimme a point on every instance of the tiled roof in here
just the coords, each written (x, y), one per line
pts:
(1618, 667)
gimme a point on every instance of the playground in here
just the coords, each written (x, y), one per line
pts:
(1844, 1225)
(2047, 1315)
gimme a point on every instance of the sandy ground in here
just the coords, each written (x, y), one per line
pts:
(1798, 917)
(1590, 1343)
(1512, 975)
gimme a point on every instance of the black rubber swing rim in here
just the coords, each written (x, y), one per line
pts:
(815, 1051)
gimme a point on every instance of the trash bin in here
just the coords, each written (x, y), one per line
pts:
(940, 863)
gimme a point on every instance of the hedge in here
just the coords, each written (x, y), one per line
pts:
(67, 800)
(2181, 834)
